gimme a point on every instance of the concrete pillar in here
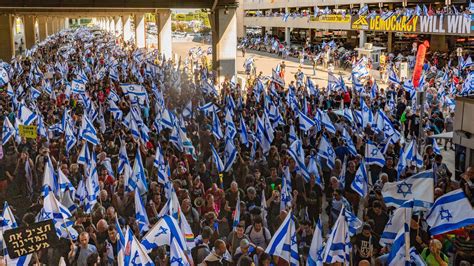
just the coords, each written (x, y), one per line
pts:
(7, 46)
(362, 38)
(54, 24)
(287, 36)
(66, 23)
(224, 42)
(140, 39)
(127, 32)
(118, 26)
(42, 28)
(30, 32)
(50, 26)
(240, 20)
(389, 42)
(438, 43)
(163, 26)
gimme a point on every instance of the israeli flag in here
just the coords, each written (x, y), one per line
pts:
(140, 214)
(208, 88)
(412, 155)
(34, 93)
(230, 129)
(117, 114)
(163, 233)
(53, 209)
(292, 136)
(347, 114)
(70, 138)
(392, 77)
(263, 136)
(400, 252)
(349, 143)
(84, 155)
(135, 253)
(177, 255)
(367, 115)
(283, 243)
(374, 155)
(383, 124)
(8, 222)
(4, 79)
(436, 148)
(236, 214)
(244, 139)
(286, 191)
(297, 153)
(327, 123)
(217, 160)
(364, 9)
(450, 212)
(138, 178)
(326, 151)
(409, 87)
(338, 246)
(418, 187)
(88, 132)
(161, 165)
(216, 127)
(78, 86)
(361, 181)
(316, 249)
(134, 91)
(305, 122)
(310, 86)
(402, 215)
(230, 154)
(26, 116)
(50, 182)
(7, 130)
(91, 188)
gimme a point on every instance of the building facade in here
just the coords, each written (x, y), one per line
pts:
(392, 24)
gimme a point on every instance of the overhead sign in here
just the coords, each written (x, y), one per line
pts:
(25, 240)
(28, 132)
(438, 24)
(331, 19)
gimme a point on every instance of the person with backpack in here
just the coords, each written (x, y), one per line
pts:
(202, 248)
(258, 234)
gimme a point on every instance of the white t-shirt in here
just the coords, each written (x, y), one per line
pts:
(257, 238)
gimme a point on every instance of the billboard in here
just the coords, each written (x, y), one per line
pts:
(437, 24)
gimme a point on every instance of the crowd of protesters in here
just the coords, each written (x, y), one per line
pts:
(207, 197)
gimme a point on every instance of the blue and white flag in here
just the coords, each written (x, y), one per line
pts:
(305, 122)
(162, 233)
(297, 153)
(8, 222)
(4, 78)
(409, 87)
(53, 209)
(244, 139)
(78, 86)
(230, 154)
(360, 184)
(349, 143)
(177, 255)
(450, 212)
(310, 86)
(140, 214)
(367, 115)
(392, 77)
(327, 123)
(436, 148)
(8, 130)
(400, 252)
(327, 152)
(208, 88)
(117, 114)
(70, 138)
(283, 243)
(134, 91)
(88, 132)
(364, 9)
(286, 190)
(315, 254)
(419, 187)
(134, 252)
(236, 214)
(402, 215)
(138, 178)
(217, 160)
(338, 246)
(26, 116)
(374, 155)
(216, 127)
(292, 136)
(160, 163)
(50, 182)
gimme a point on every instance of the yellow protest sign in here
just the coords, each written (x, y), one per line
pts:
(28, 132)
(331, 18)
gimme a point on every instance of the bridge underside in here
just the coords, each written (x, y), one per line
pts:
(91, 4)
(46, 17)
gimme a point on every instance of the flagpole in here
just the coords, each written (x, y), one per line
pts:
(407, 239)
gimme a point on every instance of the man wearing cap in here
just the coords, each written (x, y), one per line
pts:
(245, 249)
